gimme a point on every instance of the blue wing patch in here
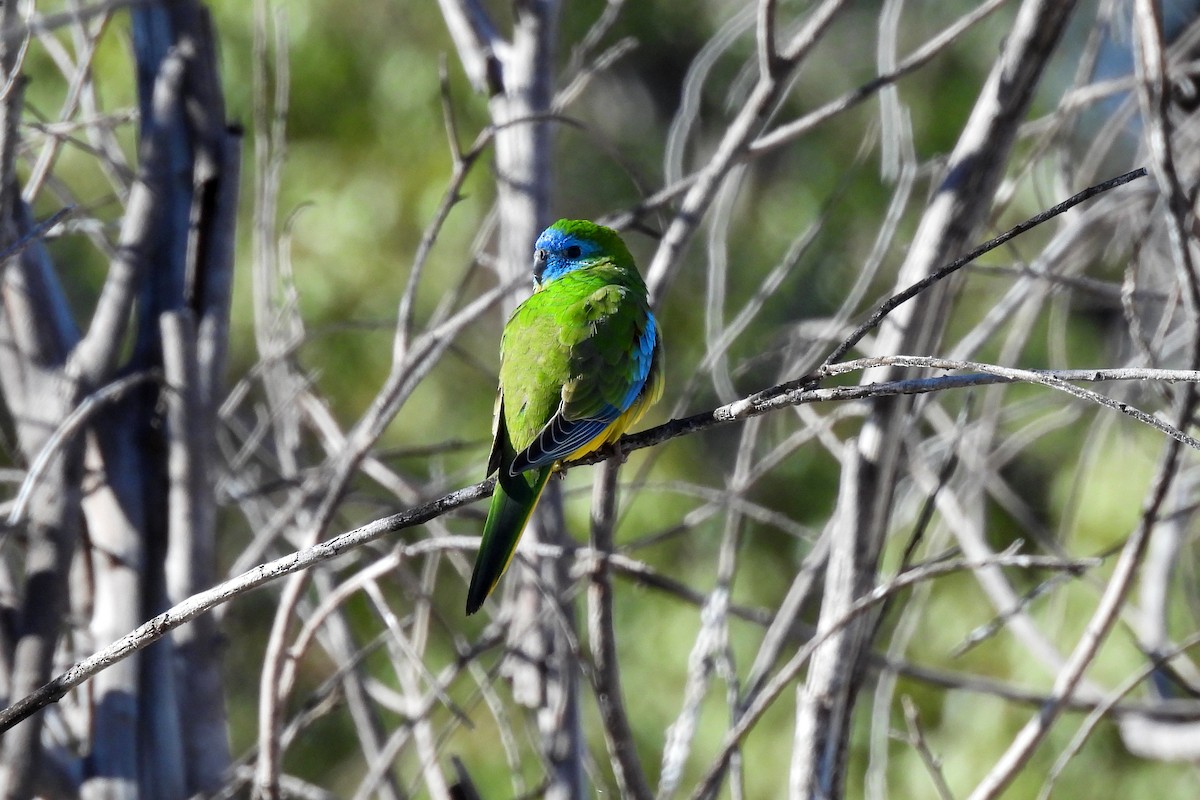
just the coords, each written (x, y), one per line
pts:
(643, 357)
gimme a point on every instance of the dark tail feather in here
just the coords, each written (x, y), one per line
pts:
(512, 504)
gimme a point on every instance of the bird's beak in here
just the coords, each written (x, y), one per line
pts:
(539, 267)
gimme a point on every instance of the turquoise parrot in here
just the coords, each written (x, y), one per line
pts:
(580, 361)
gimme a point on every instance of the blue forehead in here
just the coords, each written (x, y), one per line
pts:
(554, 240)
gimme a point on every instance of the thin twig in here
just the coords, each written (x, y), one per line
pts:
(68, 430)
(916, 737)
(862, 605)
(896, 300)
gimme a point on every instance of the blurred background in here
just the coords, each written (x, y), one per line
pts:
(349, 115)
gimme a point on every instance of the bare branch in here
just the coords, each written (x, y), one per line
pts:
(94, 359)
(606, 677)
(748, 124)
(479, 45)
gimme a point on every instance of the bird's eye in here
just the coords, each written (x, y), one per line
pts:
(573, 251)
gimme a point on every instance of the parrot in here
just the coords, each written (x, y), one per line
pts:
(580, 362)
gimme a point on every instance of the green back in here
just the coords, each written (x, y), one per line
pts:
(569, 344)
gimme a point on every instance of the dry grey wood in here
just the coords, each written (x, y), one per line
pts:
(606, 674)
(1098, 627)
(320, 498)
(916, 737)
(1143, 734)
(204, 601)
(310, 507)
(551, 638)
(864, 605)
(191, 554)
(34, 350)
(278, 330)
(372, 733)
(1152, 79)
(116, 509)
(823, 701)
(38, 395)
(826, 424)
(517, 75)
(953, 215)
(188, 264)
(791, 131)
(740, 133)
(121, 522)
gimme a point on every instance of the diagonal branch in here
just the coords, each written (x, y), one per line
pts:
(254, 578)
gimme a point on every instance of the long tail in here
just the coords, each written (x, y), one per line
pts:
(512, 504)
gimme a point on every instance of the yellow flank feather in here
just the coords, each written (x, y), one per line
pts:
(618, 426)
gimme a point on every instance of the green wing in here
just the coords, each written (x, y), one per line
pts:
(612, 344)
(533, 368)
